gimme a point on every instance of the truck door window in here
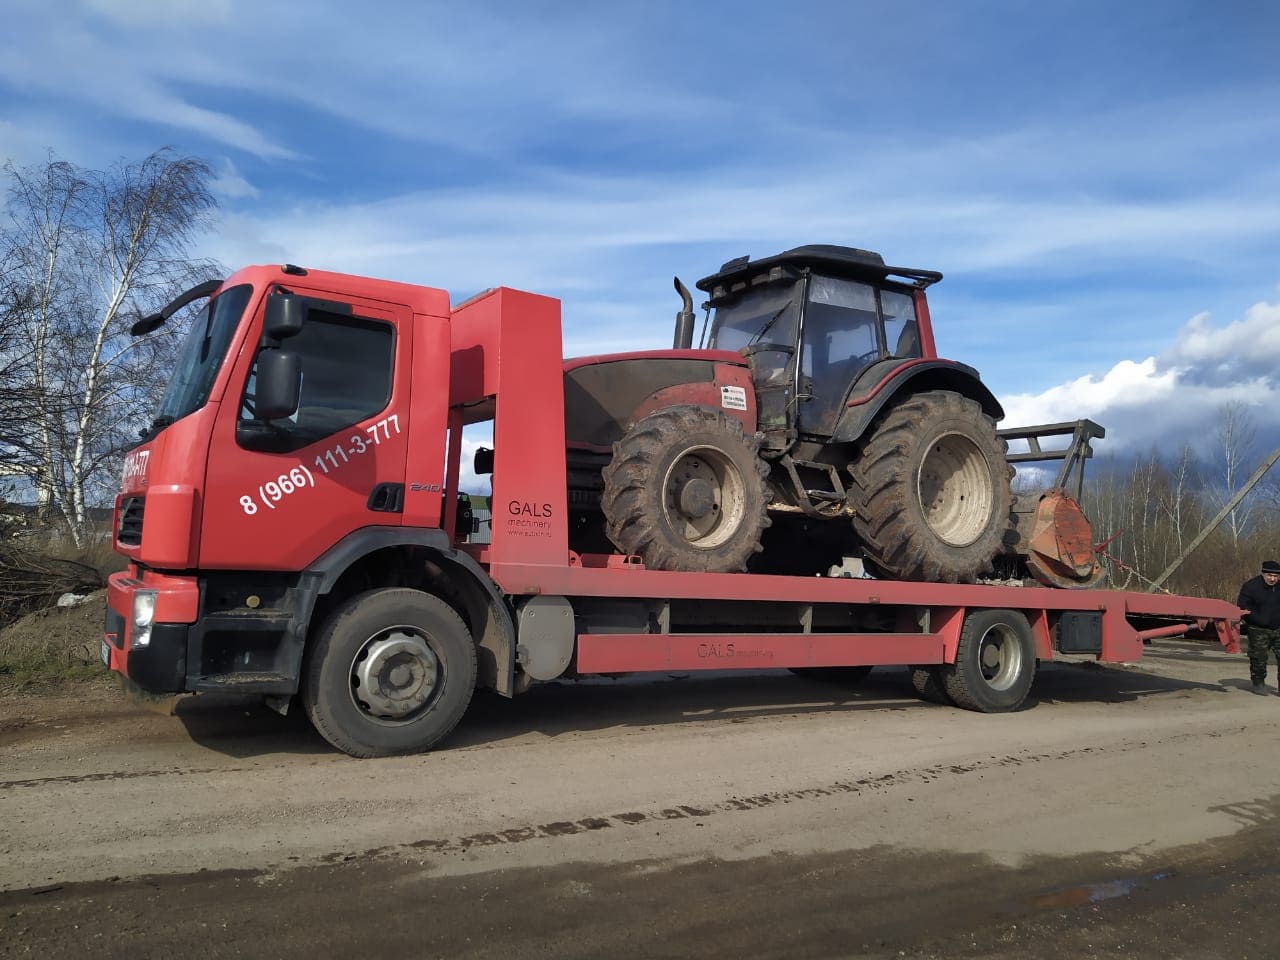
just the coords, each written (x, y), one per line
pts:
(346, 375)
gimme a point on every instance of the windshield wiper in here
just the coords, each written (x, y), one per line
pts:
(765, 329)
(158, 424)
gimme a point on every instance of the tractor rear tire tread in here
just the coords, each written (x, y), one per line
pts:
(888, 519)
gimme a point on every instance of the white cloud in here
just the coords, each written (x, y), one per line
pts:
(117, 72)
(608, 246)
(1243, 350)
(228, 183)
(1123, 385)
(1178, 398)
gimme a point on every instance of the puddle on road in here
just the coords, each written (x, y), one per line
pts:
(1064, 898)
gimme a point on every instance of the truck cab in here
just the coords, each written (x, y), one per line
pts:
(228, 508)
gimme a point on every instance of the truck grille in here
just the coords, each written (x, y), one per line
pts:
(130, 529)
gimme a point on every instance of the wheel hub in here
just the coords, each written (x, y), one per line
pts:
(1000, 658)
(395, 674)
(697, 498)
(705, 496)
(954, 487)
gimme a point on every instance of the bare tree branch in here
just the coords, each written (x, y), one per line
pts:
(84, 253)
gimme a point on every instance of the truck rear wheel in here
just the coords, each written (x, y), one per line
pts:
(927, 681)
(930, 490)
(389, 672)
(995, 662)
(685, 490)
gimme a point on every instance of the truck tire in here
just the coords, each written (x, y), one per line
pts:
(389, 672)
(927, 681)
(995, 662)
(930, 490)
(685, 490)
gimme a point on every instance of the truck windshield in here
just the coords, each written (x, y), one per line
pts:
(760, 315)
(200, 356)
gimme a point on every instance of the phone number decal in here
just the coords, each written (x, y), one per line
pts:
(273, 491)
(340, 454)
(330, 461)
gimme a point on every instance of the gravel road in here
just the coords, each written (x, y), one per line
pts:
(1126, 812)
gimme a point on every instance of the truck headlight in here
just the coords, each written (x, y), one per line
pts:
(144, 612)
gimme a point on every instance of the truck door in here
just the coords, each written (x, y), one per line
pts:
(277, 502)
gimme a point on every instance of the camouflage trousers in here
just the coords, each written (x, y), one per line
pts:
(1262, 641)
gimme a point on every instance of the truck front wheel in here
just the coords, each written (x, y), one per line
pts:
(389, 672)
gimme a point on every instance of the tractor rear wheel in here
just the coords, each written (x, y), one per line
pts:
(686, 491)
(930, 490)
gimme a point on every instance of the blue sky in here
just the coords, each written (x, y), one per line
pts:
(1099, 182)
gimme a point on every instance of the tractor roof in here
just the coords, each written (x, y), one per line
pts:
(823, 257)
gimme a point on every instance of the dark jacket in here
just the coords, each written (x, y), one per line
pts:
(1261, 602)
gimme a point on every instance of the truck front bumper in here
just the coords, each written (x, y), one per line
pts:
(158, 665)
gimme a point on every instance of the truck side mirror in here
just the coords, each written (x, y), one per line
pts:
(284, 316)
(278, 390)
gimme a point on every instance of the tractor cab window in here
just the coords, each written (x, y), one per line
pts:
(761, 315)
(848, 325)
(902, 335)
(841, 332)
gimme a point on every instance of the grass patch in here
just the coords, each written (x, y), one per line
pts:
(53, 646)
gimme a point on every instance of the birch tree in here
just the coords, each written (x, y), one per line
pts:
(1236, 437)
(86, 253)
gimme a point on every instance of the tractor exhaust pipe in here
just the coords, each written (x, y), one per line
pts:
(684, 319)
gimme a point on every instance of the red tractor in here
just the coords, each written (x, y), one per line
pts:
(817, 423)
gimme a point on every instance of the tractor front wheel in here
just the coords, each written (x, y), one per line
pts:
(685, 490)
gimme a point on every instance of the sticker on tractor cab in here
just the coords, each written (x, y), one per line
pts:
(733, 398)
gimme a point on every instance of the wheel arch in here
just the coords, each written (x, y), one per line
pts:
(917, 378)
(422, 559)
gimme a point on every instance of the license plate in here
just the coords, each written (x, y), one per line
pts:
(106, 654)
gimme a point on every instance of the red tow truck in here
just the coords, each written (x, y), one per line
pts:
(293, 527)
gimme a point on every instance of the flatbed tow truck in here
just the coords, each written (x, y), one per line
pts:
(293, 529)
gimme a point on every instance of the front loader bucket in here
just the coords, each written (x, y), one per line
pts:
(1057, 540)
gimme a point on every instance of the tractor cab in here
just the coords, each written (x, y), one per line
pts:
(819, 325)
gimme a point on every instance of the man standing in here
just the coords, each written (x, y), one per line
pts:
(1260, 600)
